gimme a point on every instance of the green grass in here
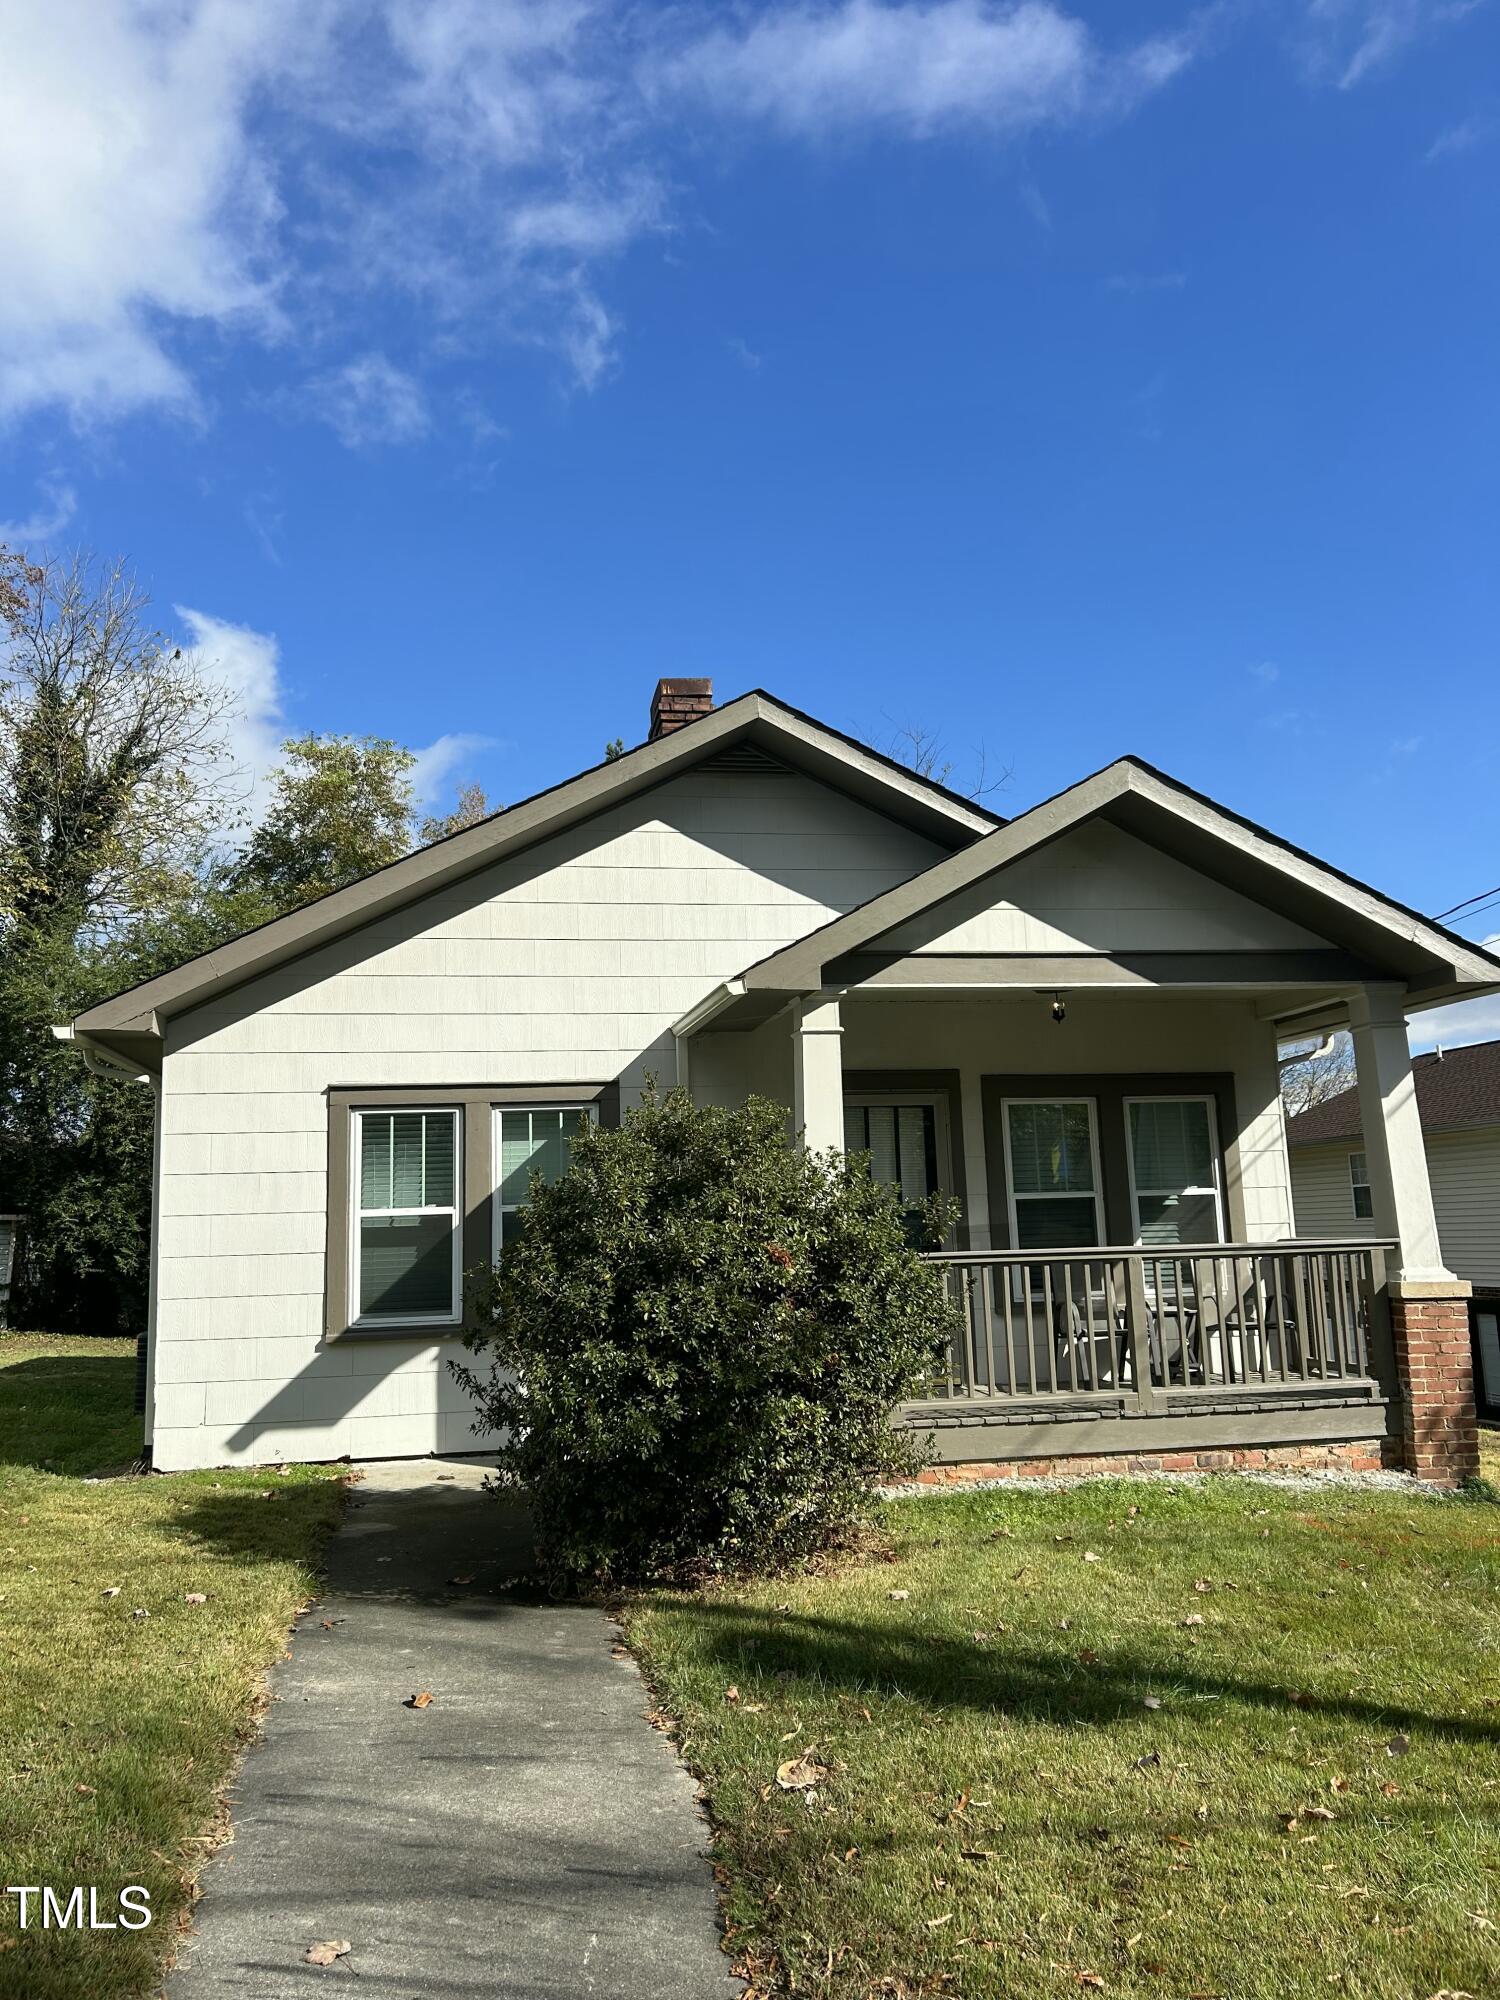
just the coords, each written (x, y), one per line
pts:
(116, 1732)
(1004, 1814)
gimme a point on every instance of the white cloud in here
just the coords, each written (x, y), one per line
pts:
(1460, 138)
(273, 169)
(248, 664)
(134, 200)
(440, 761)
(368, 401)
(1266, 672)
(918, 67)
(1455, 1027)
(1346, 41)
(33, 531)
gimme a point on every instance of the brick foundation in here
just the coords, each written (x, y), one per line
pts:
(1360, 1455)
(1439, 1439)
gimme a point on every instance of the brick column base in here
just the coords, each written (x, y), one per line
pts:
(1439, 1438)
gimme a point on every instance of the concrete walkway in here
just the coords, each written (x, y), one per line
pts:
(529, 1836)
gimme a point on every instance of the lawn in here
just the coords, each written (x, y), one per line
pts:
(116, 1730)
(1134, 1739)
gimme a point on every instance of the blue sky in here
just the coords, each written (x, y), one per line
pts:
(1062, 379)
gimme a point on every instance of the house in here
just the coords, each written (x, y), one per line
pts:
(1458, 1101)
(1070, 1019)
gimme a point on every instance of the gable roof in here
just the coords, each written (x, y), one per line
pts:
(1387, 939)
(130, 1022)
(1455, 1087)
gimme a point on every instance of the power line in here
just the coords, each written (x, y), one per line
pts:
(1483, 897)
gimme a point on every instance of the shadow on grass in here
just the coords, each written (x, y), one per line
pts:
(69, 1413)
(1052, 1686)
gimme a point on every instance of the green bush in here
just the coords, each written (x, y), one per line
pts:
(691, 1353)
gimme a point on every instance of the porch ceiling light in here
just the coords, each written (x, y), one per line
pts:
(1059, 1008)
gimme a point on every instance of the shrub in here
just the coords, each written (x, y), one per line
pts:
(694, 1346)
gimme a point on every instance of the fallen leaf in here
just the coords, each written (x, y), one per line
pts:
(140, 1611)
(1193, 1618)
(422, 1700)
(87, 1790)
(1301, 1700)
(196, 1597)
(1089, 1657)
(731, 1694)
(1088, 1979)
(1090, 1557)
(800, 1774)
(936, 1923)
(327, 1952)
(755, 1708)
(976, 1854)
(1203, 1586)
(898, 1596)
(1144, 1763)
(460, 1579)
(1398, 1746)
(1390, 1791)
(113, 1590)
(1151, 1701)
(1318, 1812)
(1338, 1784)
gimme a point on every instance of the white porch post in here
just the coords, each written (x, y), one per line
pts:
(1400, 1192)
(817, 1074)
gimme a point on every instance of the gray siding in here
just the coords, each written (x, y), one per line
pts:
(566, 964)
(1464, 1168)
(1098, 889)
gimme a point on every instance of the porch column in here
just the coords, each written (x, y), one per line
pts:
(1429, 1308)
(817, 1074)
(1400, 1193)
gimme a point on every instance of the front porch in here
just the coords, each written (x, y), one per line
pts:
(1077, 1032)
(1128, 1350)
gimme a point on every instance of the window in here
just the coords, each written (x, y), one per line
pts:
(1359, 1188)
(529, 1140)
(1052, 1170)
(406, 1235)
(901, 1138)
(1174, 1170)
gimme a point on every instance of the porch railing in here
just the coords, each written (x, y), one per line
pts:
(1142, 1328)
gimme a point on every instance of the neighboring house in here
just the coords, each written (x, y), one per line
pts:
(1070, 1020)
(1458, 1098)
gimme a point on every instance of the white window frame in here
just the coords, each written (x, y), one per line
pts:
(455, 1212)
(1215, 1157)
(1356, 1184)
(498, 1209)
(1091, 1104)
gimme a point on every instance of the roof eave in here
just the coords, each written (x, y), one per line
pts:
(807, 745)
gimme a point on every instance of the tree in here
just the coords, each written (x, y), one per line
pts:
(923, 750)
(342, 807)
(614, 750)
(1314, 1078)
(112, 758)
(472, 806)
(695, 1343)
(112, 768)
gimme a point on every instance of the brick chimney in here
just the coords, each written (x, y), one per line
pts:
(676, 703)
